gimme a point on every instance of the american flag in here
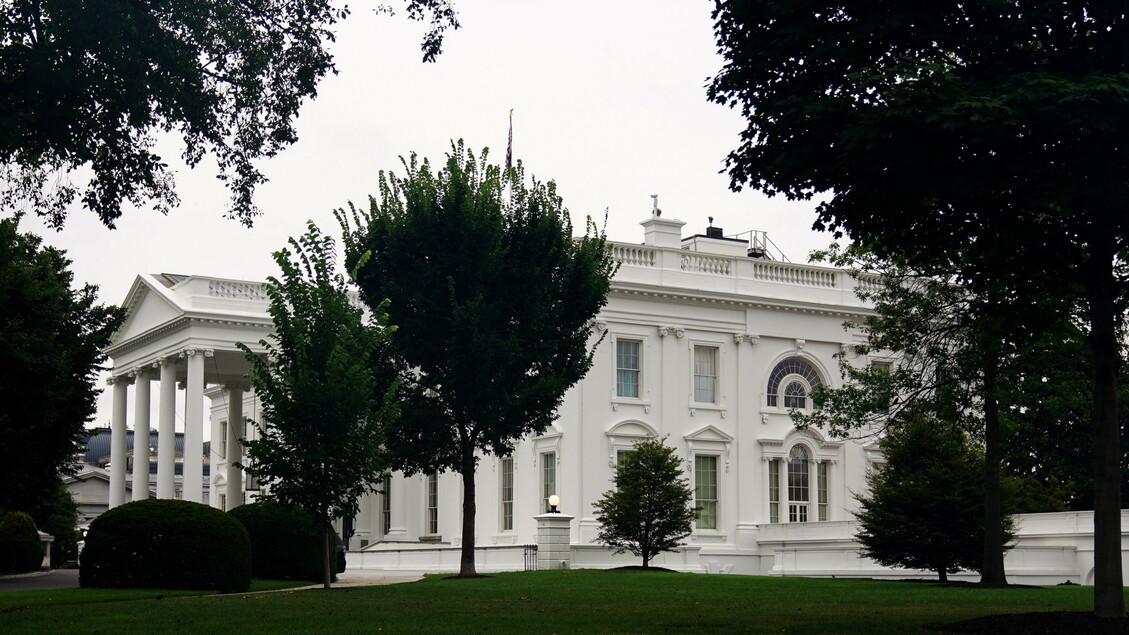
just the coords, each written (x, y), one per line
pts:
(510, 142)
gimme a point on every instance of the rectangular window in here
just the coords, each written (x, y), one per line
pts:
(627, 368)
(774, 491)
(884, 367)
(705, 374)
(705, 491)
(386, 504)
(548, 478)
(223, 440)
(507, 494)
(821, 494)
(433, 504)
(798, 491)
(223, 502)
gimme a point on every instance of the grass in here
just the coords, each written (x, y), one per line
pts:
(542, 602)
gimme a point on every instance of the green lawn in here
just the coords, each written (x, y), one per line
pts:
(541, 602)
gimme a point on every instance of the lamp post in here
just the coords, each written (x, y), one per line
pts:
(554, 501)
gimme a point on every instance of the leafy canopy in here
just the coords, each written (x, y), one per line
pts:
(324, 409)
(51, 340)
(86, 87)
(492, 297)
(649, 510)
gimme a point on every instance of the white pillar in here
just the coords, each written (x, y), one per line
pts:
(166, 431)
(141, 393)
(398, 527)
(236, 427)
(193, 486)
(117, 441)
(554, 548)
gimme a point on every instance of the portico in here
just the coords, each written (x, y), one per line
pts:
(182, 332)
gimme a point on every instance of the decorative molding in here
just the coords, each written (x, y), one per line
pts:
(676, 331)
(800, 344)
(752, 338)
(600, 325)
(764, 419)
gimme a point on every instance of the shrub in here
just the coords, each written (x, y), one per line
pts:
(286, 541)
(166, 544)
(20, 549)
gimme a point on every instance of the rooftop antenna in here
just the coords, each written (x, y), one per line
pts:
(711, 220)
(655, 211)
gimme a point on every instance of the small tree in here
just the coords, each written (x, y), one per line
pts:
(324, 410)
(925, 507)
(649, 510)
(493, 299)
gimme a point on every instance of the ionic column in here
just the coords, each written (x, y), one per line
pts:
(193, 486)
(398, 526)
(236, 427)
(166, 430)
(117, 441)
(141, 392)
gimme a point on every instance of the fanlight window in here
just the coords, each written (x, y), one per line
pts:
(792, 381)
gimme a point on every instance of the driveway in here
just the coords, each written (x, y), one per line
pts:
(40, 580)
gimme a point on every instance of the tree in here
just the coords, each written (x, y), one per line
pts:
(51, 340)
(323, 409)
(493, 298)
(964, 123)
(89, 85)
(649, 511)
(925, 505)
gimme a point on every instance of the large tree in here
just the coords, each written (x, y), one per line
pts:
(924, 505)
(324, 407)
(649, 511)
(973, 134)
(51, 340)
(493, 298)
(86, 85)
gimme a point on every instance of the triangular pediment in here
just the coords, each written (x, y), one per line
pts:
(709, 433)
(148, 308)
(636, 429)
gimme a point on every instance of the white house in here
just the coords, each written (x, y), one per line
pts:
(706, 340)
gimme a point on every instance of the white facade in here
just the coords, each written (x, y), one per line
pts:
(700, 343)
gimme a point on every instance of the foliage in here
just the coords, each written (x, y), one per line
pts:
(940, 128)
(51, 341)
(20, 549)
(166, 544)
(924, 509)
(577, 601)
(492, 297)
(649, 510)
(58, 516)
(324, 410)
(91, 86)
(286, 541)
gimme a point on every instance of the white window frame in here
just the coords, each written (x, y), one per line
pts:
(777, 393)
(694, 374)
(431, 504)
(638, 370)
(715, 499)
(822, 457)
(548, 463)
(506, 482)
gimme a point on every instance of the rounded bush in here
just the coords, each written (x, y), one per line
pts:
(286, 541)
(166, 544)
(20, 549)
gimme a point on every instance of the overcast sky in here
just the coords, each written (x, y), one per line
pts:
(608, 100)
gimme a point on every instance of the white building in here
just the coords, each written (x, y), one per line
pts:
(704, 341)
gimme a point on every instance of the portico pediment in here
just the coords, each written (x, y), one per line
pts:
(148, 309)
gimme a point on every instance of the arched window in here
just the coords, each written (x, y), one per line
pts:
(791, 381)
(794, 482)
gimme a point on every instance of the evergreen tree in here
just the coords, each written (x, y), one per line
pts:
(492, 297)
(324, 409)
(649, 511)
(924, 509)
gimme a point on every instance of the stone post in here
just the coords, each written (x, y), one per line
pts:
(166, 430)
(554, 547)
(141, 434)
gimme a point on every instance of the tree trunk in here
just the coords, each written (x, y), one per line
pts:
(1109, 596)
(942, 575)
(466, 561)
(992, 568)
(328, 555)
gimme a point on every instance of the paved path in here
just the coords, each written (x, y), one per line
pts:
(68, 579)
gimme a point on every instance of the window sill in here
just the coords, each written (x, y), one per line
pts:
(616, 402)
(712, 407)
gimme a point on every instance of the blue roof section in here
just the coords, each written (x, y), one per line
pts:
(97, 448)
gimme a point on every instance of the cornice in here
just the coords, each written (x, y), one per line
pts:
(182, 323)
(700, 297)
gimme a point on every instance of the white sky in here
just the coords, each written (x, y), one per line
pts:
(608, 100)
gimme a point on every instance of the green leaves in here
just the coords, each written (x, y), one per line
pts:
(326, 390)
(649, 510)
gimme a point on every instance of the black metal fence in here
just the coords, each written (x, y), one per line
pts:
(530, 552)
